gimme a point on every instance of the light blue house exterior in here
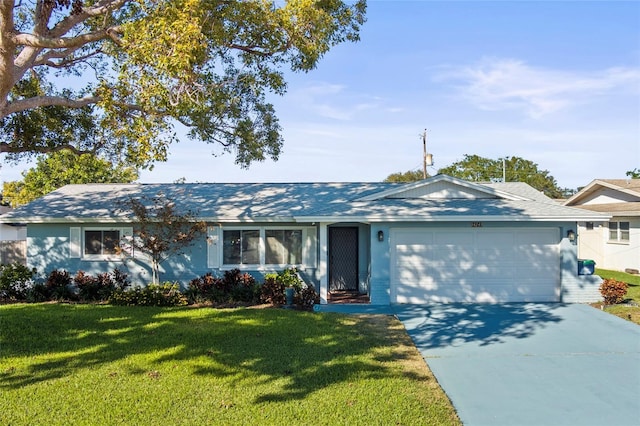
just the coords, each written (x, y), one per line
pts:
(438, 240)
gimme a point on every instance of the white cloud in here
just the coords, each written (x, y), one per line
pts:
(503, 84)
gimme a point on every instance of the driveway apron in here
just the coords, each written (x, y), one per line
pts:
(531, 364)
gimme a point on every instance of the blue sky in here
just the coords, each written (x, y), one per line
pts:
(557, 83)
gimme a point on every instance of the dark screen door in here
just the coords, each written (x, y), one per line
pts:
(343, 259)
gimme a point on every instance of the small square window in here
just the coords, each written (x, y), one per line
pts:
(589, 226)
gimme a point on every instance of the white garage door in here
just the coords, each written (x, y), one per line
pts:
(475, 265)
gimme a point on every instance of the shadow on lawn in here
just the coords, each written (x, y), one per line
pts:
(439, 326)
(311, 350)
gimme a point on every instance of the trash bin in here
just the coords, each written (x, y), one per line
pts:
(586, 266)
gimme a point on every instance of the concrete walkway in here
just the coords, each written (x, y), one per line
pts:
(531, 364)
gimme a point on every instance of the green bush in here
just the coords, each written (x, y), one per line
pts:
(613, 291)
(16, 280)
(166, 294)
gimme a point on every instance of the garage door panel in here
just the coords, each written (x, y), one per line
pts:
(505, 265)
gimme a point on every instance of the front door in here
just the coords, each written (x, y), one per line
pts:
(343, 259)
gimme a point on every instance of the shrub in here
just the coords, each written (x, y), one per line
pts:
(290, 278)
(306, 298)
(16, 280)
(234, 286)
(120, 279)
(58, 285)
(272, 290)
(100, 287)
(166, 294)
(202, 289)
(613, 291)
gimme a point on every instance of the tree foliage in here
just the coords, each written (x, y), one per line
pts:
(480, 169)
(409, 176)
(63, 168)
(634, 174)
(117, 76)
(161, 230)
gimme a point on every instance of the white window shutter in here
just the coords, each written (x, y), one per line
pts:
(213, 247)
(75, 242)
(126, 241)
(309, 248)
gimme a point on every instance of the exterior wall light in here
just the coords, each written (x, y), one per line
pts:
(380, 236)
(571, 235)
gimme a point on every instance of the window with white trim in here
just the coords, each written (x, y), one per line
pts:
(263, 246)
(619, 232)
(100, 243)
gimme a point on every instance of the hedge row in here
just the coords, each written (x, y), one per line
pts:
(234, 287)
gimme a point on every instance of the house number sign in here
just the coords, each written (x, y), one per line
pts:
(476, 224)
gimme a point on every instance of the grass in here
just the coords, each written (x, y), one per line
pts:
(626, 311)
(100, 364)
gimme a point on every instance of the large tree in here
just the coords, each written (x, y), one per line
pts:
(515, 169)
(116, 76)
(63, 168)
(408, 176)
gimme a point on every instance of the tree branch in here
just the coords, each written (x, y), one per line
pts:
(34, 40)
(42, 101)
(9, 148)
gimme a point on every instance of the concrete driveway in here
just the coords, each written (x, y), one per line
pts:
(531, 364)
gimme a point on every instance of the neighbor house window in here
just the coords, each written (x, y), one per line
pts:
(98, 242)
(283, 247)
(619, 231)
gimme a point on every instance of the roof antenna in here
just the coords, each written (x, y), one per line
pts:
(427, 159)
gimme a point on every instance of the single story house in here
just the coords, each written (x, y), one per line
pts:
(615, 243)
(437, 240)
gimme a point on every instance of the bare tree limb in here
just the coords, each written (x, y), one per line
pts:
(42, 101)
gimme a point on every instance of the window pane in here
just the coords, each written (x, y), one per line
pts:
(274, 248)
(613, 230)
(231, 247)
(293, 243)
(283, 247)
(624, 231)
(110, 241)
(92, 242)
(251, 247)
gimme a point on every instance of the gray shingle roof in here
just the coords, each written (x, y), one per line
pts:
(233, 202)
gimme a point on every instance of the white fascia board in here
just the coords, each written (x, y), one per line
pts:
(470, 218)
(593, 187)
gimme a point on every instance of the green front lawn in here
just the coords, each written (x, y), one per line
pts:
(100, 364)
(631, 313)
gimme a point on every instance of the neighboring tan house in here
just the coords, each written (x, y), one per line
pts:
(437, 240)
(612, 244)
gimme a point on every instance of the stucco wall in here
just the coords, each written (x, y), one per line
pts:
(48, 249)
(594, 244)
